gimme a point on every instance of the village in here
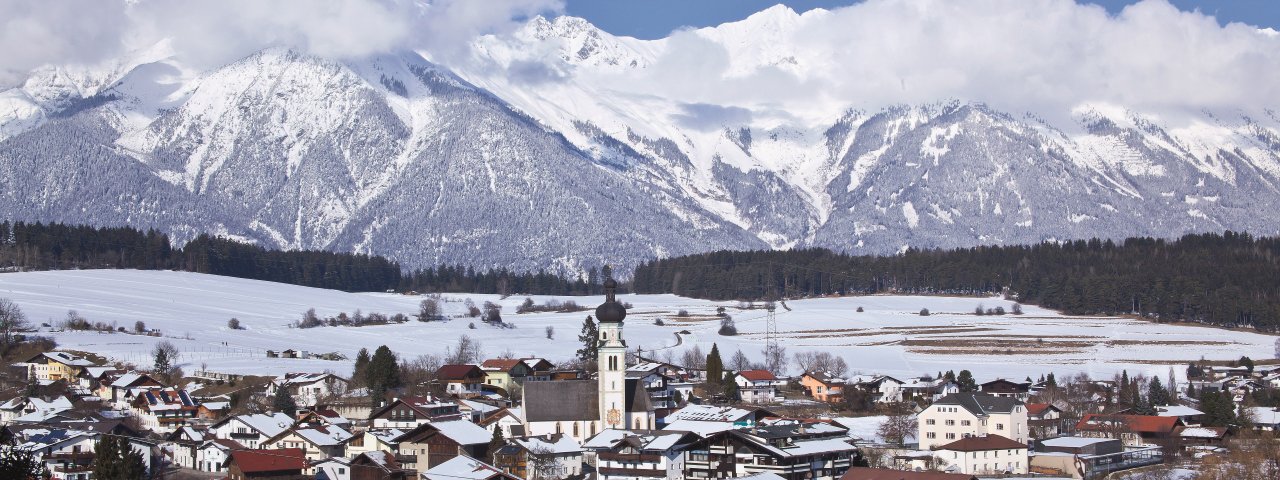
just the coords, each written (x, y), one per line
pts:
(626, 416)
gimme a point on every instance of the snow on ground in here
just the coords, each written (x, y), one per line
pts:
(889, 337)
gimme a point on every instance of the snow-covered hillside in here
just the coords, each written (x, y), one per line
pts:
(889, 337)
(558, 146)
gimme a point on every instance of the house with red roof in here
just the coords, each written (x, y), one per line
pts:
(1132, 430)
(983, 455)
(757, 386)
(409, 412)
(462, 381)
(1044, 420)
(276, 464)
(505, 373)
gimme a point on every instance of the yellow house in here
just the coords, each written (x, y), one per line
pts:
(54, 366)
(505, 373)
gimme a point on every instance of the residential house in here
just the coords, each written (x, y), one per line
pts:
(434, 443)
(742, 417)
(317, 442)
(1203, 436)
(1085, 457)
(792, 451)
(377, 466)
(658, 386)
(638, 454)
(214, 456)
(252, 430)
(552, 456)
(1266, 419)
(540, 369)
(162, 411)
(758, 386)
(116, 388)
(1006, 388)
(962, 415)
(185, 442)
(823, 387)
(881, 388)
(506, 374)
(336, 468)
(322, 416)
(1132, 430)
(275, 464)
(54, 366)
(68, 454)
(509, 421)
(983, 455)
(1189, 416)
(462, 381)
(1044, 420)
(410, 412)
(33, 409)
(375, 440)
(90, 378)
(919, 388)
(310, 389)
(463, 467)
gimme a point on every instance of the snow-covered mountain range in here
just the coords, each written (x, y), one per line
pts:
(545, 148)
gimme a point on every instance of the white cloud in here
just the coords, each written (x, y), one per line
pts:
(33, 33)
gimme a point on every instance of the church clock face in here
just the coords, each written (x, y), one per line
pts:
(613, 417)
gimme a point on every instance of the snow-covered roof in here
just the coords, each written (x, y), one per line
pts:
(701, 428)
(811, 447)
(461, 467)
(483, 408)
(386, 435)
(1203, 432)
(708, 413)
(268, 425)
(1265, 415)
(324, 436)
(463, 432)
(866, 428)
(562, 444)
(305, 378)
(1177, 411)
(69, 359)
(1073, 442)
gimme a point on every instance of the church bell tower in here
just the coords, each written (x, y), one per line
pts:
(612, 360)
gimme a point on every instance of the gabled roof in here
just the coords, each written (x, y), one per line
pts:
(1005, 386)
(1203, 432)
(421, 406)
(63, 358)
(1037, 409)
(1176, 411)
(463, 467)
(554, 444)
(502, 364)
(461, 432)
(459, 372)
(1129, 423)
(824, 377)
(711, 413)
(980, 404)
(564, 400)
(274, 460)
(863, 473)
(266, 425)
(978, 444)
(758, 375)
(305, 378)
(320, 435)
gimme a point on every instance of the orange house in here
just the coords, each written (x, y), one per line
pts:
(823, 387)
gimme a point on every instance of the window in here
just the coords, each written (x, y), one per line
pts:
(931, 435)
(575, 429)
(930, 422)
(951, 436)
(951, 423)
(965, 423)
(999, 426)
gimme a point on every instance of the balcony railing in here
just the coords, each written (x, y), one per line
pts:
(632, 472)
(629, 457)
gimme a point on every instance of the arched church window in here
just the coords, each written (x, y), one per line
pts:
(575, 429)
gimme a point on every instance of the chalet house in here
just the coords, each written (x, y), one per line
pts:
(758, 386)
(540, 369)
(864, 473)
(410, 412)
(675, 372)
(475, 410)
(336, 468)
(1044, 420)
(285, 464)
(1132, 430)
(463, 467)
(639, 454)
(984, 455)
(795, 451)
(377, 466)
(91, 377)
(823, 387)
(185, 442)
(553, 456)
(322, 416)
(919, 387)
(375, 440)
(463, 381)
(432, 444)
(317, 442)
(66, 453)
(696, 417)
(962, 415)
(505, 373)
(214, 456)
(253, 430)
(507, 420)
(658, 386)
(883, 388)
(54, 366)
(163, 411)
(1203, 436)
(309, 389)
(33, 409)
(119, 388)
(1006, 388)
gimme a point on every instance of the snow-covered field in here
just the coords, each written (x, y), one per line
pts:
(889, 337)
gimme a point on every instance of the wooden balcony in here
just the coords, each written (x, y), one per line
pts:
(632, 472)
(629, 457)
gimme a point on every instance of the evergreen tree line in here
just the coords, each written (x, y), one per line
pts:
(1230, 279)
(53, 246)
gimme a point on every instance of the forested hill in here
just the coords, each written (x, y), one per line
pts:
(1231, 279)
(37, 246)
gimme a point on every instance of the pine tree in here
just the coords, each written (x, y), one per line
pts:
(115, 459)
(730, 387)
(1219, 409)
(283, 401)
(20, 463)
(496, 442)
(715, 366)
(1126, 396)
(590, 338)
(162, 364)
(1050, 381)
(362, 365)
(383, 372)
(1157, 395)
(966, 382)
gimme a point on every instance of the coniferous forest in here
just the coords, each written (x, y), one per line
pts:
(1230, 279)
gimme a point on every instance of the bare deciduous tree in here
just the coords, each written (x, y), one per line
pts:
(12, 322)
(899, 425)
(465, 352)
(739, 361)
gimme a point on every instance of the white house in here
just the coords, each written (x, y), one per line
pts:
(883, 388)
(552, 456)
(962, 415)
(319, 442)
(983, 455)
(310, 389)
(619, 454)
(758, 386)
(212, 455)
(252, 431)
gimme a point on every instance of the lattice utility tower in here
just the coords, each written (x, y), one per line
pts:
(771, 336)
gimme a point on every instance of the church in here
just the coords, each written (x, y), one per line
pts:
(582, 408)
